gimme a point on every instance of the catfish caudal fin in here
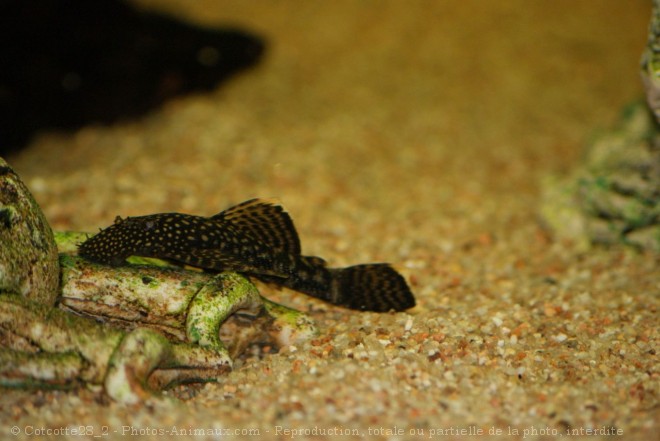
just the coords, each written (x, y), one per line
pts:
(264, 221)
(372, 287)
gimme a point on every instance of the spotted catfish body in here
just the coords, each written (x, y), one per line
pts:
(257, 238)
(251, 237)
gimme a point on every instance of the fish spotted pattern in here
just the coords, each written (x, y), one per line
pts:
(258, 238)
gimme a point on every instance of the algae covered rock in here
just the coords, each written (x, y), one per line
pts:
(614, 197)
(28, 253)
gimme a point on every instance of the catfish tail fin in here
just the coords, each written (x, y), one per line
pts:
(370, 287)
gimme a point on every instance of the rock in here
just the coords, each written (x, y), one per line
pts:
(28, 253)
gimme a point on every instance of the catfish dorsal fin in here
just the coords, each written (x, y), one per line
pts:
(264, 220)
(238, 209)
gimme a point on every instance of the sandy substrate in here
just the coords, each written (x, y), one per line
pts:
(404, 131)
